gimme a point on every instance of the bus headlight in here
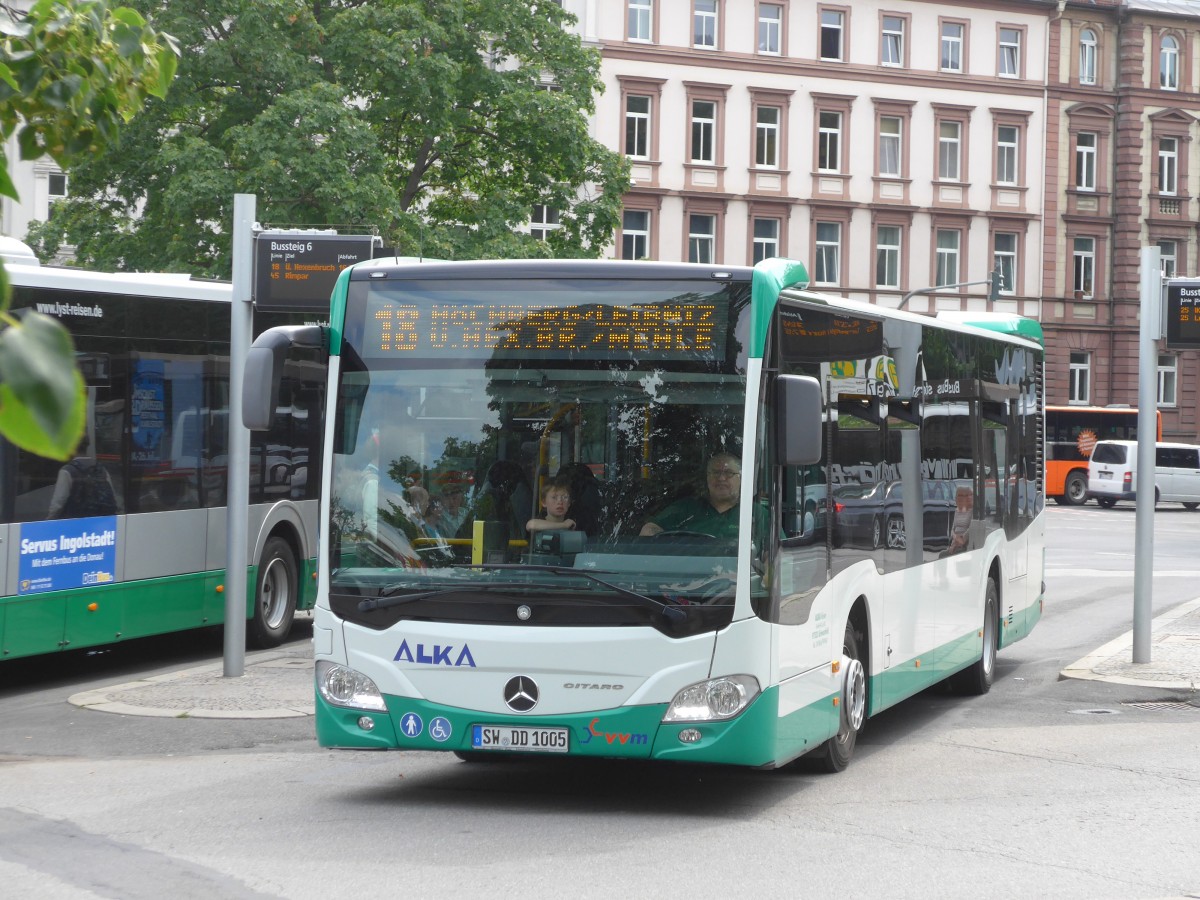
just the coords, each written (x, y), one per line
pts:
(713, 700)
(343, 686)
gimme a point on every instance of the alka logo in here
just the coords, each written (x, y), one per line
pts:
(593, 731)
(438, 656)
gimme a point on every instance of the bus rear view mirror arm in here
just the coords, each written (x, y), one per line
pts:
(264, 369)
(798, 419)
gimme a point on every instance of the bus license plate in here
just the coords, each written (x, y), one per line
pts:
(520, 738)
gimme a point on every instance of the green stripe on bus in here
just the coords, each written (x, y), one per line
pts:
(770, 277)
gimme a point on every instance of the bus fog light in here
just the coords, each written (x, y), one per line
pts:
(343, 686)
(713, 700)
(689, 735)
(366, 723)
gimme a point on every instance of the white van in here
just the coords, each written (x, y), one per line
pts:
(1112, 473)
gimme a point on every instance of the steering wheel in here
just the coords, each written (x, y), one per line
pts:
(685, 535)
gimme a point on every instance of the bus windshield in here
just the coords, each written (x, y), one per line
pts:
(469, 411)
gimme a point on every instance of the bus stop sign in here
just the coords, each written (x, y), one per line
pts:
(1183, 313)
(296, 270)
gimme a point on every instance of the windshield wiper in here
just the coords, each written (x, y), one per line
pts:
(389, 597)
(672, 613)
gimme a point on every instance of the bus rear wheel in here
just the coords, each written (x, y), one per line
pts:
(977, 679)
(1075, 489)
(275, 595)
(834, 755)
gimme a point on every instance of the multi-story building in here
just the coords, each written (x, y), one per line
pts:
(1122, 173)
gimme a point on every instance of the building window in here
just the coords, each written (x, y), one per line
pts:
(543, 221)
(766, 137)
(641, 17)
(1083, 265)
(1010, 52)
(829, 253)
(57, 188)
(889, 145)
(832, 32)
(952, 46)
(1005, 260)
(892, 52)
(829, 142)
(635, 234)
(704, 128)
(704, 24)
(1079, 381)
(637, 126)
(1168, 64)
(766, 239)
(948, 243)
(1085, 161)
(1168, 379)
(887, 256)
(1087, 56)
(1007, 137)
(1167, 257)
(770, 29)
(949, 150)
(1168, 165)
(702, 236)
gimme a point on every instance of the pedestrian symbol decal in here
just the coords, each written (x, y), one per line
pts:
(411, 725)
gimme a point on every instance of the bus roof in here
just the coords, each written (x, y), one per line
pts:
(139, 284)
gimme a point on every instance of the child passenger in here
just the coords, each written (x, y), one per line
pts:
(556, 499)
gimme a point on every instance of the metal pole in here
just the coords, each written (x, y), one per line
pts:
(241, 325)
(1143, 560)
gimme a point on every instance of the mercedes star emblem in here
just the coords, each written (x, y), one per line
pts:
(521, 693)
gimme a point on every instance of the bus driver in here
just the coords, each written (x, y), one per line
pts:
(715, 514)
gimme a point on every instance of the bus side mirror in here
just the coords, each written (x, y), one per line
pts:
(798, 418)
(264, 370)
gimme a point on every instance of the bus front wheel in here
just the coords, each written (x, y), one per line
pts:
(1075, 489)
(834, 755)
(274, 596)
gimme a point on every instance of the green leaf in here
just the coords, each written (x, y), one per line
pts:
(7, 188)
(42, 394)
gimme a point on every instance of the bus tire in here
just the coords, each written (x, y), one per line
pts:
(977, 678)
(275, 594)
(834, 755)
(1075, 489)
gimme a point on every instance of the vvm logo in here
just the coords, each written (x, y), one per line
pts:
(592, 731)
(440, 656)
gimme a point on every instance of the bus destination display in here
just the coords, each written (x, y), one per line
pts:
(661, 330)
(1183, 314)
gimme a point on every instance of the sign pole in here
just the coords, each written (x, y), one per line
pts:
(241, 327)
(1143, 559)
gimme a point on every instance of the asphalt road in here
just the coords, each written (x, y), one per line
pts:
(1042, 788)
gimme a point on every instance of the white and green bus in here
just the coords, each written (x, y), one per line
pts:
(128, 540)
(847, 507)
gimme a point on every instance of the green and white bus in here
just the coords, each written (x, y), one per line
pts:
(130, 542)
(766, 632)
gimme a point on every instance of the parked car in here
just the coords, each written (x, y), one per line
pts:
(872, 516)
(1112, 473)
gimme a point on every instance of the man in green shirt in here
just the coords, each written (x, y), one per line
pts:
(716, 513)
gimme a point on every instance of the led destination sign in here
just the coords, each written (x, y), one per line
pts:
(661, 330)
(1183, 314)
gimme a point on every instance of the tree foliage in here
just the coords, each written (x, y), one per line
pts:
(439, 122)
(72, 73)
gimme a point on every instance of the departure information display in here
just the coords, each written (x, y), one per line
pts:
(686, 327)
(1183, 314)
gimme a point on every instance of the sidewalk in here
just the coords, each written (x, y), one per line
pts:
(279, 683)
(1174, 655)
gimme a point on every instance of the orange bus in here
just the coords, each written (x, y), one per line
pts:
(1071, 432)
